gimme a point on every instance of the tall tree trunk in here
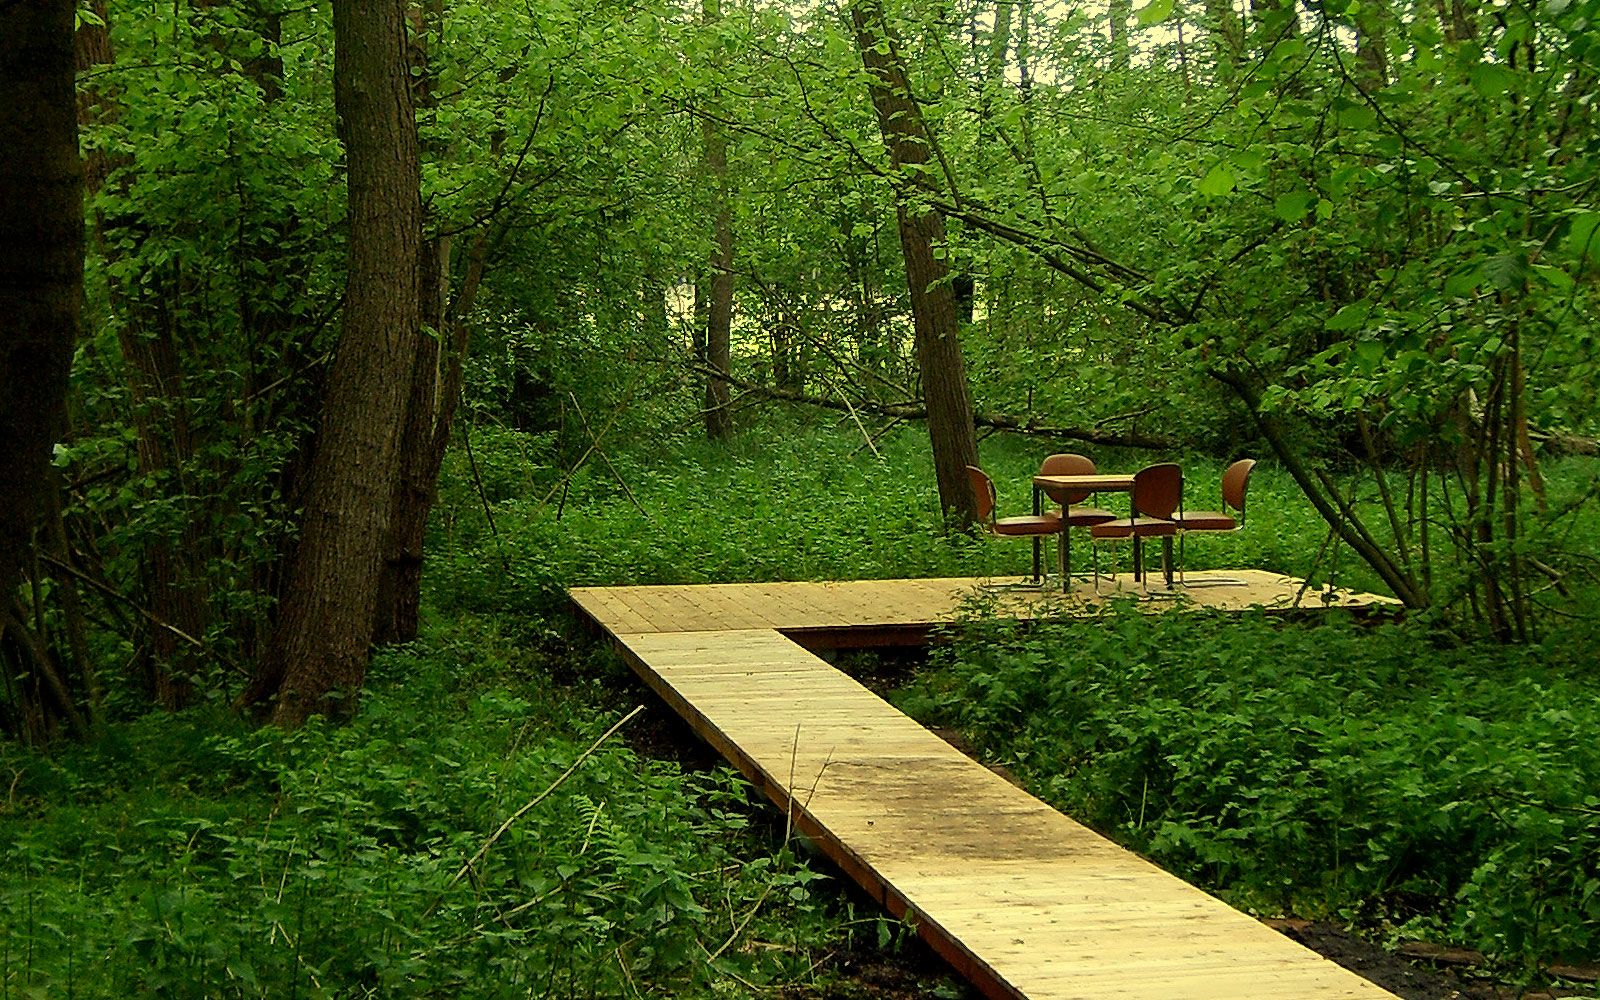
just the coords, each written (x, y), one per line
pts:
(1227, 37)
(719, 314)
(317, 657)
(431, 413)
(164, 442)
(435, 377)
(994, 77)
(1120, 11)
(1372, 45)
(933, 301)
(41, 257)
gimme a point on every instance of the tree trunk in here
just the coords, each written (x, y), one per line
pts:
(431, 412)
(41, 257)
(1120, 11)
(933, 301)
(317, 657)
(719, 314)
(1372, 45)
(1227, 37)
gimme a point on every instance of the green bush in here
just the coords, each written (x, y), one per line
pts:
(191, 856)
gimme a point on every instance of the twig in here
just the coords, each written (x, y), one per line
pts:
(604, 457)
(483, 498)
(539, 798)
(106, 591)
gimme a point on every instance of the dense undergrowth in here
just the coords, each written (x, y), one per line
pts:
(195, 857)
(1367, 773)
(1375, 774)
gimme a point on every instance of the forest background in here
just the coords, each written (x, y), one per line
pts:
(329, 253)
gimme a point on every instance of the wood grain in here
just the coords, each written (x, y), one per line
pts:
(1022, 900)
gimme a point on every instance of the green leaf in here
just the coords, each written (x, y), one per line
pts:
(1350, 317)
(1218, 181)
(1583, 236)
(1358, 118)
(1555, 277)
(1463, 282)
(1491, 79)
(1294, 206)
(1506, 271)
(1155, 12)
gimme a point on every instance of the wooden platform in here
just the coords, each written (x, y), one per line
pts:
(860, 613)
(1023, 901)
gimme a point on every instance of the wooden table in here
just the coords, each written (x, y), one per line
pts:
(1111, 482)
(1096, 483)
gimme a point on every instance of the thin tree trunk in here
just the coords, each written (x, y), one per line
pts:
(317, 658)
(1120, 11)
(423, 448)
(719, 314)
(1372, 45)
(1227, 37)
(41, 257)
(933, 302)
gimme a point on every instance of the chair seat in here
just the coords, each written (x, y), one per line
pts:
(1027, 524)
(1083, 517)
(1145, 527)
(1205, 520)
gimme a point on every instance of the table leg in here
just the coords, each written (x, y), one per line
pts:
(1037, 510)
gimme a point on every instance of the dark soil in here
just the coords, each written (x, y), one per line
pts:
(1408, 979)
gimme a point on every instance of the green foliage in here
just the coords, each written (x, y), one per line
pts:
(1368, 772)
(186, 856)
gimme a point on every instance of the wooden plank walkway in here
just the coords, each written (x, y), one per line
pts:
(1023, 901)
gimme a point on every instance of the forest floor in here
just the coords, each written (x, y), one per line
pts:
(911, 971)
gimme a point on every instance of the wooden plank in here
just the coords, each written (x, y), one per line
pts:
(1020, 899)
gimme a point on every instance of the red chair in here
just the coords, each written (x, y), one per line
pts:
(1234, 481)
(1157, 499)
(1027, 526)
(1072, 515)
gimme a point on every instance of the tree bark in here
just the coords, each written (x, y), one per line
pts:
(317, 657)
(719, 314)
(435, 398)
(1372, 45)
(1119, 12)
(1227, 37)
(933, 302)
(41, 257)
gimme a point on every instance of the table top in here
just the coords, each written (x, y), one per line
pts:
(1103, 481)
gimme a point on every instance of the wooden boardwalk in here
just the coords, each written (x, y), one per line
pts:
(1023, 901)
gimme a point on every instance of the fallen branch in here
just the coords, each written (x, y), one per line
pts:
(993, 421)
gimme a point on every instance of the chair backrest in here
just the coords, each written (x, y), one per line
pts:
(1067, 464)
(983, 491)
(1234, 480)
(1158, 490)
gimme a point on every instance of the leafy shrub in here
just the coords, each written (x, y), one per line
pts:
(190, 856)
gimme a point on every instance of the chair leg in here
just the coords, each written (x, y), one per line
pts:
(1064, 552)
